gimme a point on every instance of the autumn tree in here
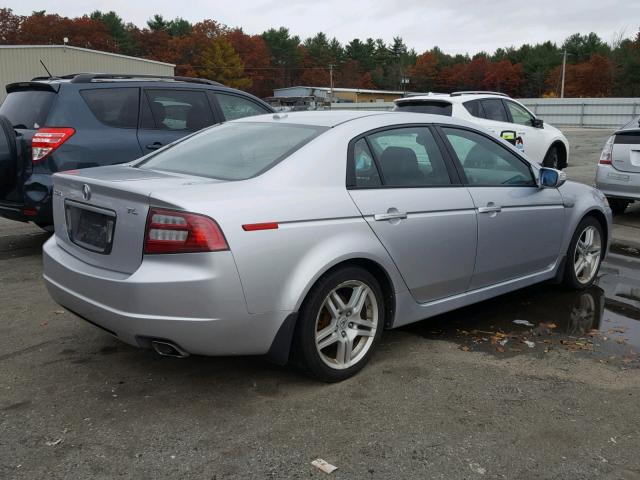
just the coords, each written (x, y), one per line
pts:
(9, 26)
(424, 72)
(254, 54)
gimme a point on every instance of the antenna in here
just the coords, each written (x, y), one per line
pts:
(46, 69)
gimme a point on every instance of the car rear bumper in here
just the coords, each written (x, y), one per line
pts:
(192, 300)
(616, 183)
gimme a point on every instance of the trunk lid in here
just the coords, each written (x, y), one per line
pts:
(626, 151)
(100, 213)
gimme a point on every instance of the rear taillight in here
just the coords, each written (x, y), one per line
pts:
(171, 231)
(607, 151)
(46, 140)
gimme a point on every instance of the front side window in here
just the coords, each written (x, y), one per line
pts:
(494, 110)
(408, 157)
(232, 151)
(176, 109)
(234, 106)
(116, 107)
(519, 115)
(486, 163)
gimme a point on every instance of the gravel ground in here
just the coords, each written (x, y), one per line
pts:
(440, 399)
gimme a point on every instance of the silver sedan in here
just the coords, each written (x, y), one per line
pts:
(618, 174)
(305, 235)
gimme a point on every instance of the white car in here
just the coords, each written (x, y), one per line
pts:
(501, 116)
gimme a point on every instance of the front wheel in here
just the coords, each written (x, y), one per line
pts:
(584, 255)
(552, 159)
(340, 324)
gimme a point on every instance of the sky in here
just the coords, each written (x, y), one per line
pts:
(456, 26)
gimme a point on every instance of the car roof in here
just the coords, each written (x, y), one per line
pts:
(455, 97)
(333, 118)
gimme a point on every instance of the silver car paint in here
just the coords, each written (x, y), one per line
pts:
(235, 302)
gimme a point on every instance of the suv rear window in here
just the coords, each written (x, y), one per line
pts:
(28, 108)
(116, 107)
(421, 106)
(233, 151)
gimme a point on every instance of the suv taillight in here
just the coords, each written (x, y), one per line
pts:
(607, 151)
(46, 140)
(172, 231)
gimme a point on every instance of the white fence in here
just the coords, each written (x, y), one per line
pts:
(563, 112)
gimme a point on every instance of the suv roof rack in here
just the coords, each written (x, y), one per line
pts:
(478, 92)
(90, 77)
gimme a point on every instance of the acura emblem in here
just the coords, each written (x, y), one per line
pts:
(86, 192)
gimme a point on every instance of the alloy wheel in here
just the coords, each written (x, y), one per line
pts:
(346, 324)
(586, 258)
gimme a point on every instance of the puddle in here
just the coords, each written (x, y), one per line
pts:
(602, 321)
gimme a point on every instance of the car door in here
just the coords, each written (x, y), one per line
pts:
(520, 226)
(170, 114)
(529, 139)
(413, 201)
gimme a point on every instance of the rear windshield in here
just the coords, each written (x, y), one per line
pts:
(27, 109)
(233, 151)
(437, 108)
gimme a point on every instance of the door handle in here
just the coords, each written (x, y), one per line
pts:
(489, 209)
(381, 217)
(154, 145)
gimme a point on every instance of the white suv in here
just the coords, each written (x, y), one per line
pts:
(500, 115)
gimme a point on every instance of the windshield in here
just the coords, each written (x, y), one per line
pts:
(27, 109)
(233, 151)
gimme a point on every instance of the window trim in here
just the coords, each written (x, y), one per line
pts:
(454, 177)
(143, 93)
(460, 168)
(233, 94)
(139, 114)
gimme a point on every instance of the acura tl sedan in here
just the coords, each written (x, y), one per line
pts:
(303, 236)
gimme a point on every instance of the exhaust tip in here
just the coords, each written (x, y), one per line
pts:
(168, 349)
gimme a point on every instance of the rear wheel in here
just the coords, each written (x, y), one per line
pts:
(8, 156)
(340, 324)
(618, 205)
(584, 255)
(552, 159)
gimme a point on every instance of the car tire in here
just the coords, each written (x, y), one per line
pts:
(618, 205)
(340, 324)
(552, 159)
(584, 255)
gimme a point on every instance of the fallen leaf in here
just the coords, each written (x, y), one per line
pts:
(58, 312)
(53, 443)
(465, 348)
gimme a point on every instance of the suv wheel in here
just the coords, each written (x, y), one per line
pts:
(340, 324)
(552, 158)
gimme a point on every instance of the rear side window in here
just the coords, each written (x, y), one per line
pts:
(407, 157)
(494, 110)
(116, 107)
(27, 109)
(366, 171)
(474, 108)
(176, 109)
(233, 151)
(234, 106)
(437, 108)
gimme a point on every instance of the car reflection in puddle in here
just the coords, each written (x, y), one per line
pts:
(603, 320)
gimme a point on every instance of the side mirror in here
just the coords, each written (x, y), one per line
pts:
(537, 123)
(551, 178)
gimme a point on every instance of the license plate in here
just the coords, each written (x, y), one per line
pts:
(90, 228)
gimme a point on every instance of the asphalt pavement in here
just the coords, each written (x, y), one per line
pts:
(542, 383)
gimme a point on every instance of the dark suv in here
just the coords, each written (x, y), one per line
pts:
(53, 124)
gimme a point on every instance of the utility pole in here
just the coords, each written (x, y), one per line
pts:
(330, 84)
(564, 67)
